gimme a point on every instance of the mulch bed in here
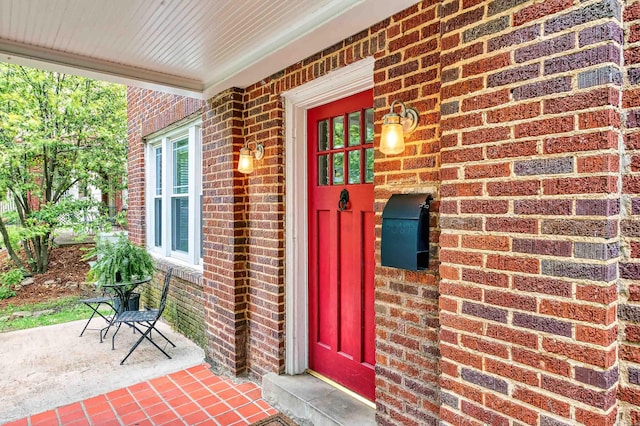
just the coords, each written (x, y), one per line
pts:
(67, 271)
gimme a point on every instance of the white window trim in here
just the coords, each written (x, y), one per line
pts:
(338, 84)
(193, 131)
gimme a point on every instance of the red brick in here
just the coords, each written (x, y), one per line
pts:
(602, 163)
(492, 243)
(599, 358)
(544, 127)
(510, 300)
(516, 411)
(489, 278)
(514, 113)
(512, 263)
(589, 418)
(462, 291)
(596, 119)
(461, 356)
(462, 88)
(485, 346)
(506, 224)
(462, 155)
(462, 324)
(486, 416)
(485, 100)
(599, 97)
(507, 334)
(513, 188)
(584, 185)
(486, 171)
(491, 134)
(512, 372)
(597, 294)
(541, 361)
(485, 65)
(579, 312)
(596, 336)
(581, 143)
(539, 10)
(484, 206)
(543, 402)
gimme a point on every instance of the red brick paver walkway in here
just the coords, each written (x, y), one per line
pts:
(194, 396)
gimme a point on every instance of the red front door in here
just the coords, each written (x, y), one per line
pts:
(341, 243)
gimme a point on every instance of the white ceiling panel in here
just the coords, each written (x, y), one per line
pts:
(191, 47)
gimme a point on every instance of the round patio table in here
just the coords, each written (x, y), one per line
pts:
(123, 291)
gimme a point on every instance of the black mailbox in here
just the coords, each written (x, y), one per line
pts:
(405, 231)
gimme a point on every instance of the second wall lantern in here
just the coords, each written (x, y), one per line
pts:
(395, 126)
(245, 162)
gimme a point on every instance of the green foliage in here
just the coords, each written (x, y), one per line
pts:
(65, 309)
(56, 131)
(120, 261)
(8, 280)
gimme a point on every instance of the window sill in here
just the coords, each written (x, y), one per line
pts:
(181, 269)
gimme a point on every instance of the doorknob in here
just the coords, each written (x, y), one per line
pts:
(343, 203)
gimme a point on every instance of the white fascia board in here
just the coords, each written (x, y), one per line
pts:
(353, 20)
(52, 60)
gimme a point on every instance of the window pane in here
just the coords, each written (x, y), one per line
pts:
(338, 132)
(354, 129)
(157, 222)
(368, 124)
(181, 166)
(368, 168)
(338, 168)
(180, 224)
(323, 135)
(354, 166)
(159, 171)
(323, 170)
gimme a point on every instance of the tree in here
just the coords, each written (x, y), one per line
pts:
(56, 131)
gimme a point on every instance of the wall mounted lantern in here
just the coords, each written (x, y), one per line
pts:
(245, 163)
(395, 126)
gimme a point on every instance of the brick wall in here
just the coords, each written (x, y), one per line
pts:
(522, 123)
(147, 112)
(224, 232)
(530, 205)
(185, 302)
(629, 308)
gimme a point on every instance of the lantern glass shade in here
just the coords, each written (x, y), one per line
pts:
(245, 163)
(392, 139)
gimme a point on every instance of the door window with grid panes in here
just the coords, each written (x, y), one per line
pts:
(345, 149)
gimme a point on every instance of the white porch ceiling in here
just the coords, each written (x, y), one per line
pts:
(189, 47)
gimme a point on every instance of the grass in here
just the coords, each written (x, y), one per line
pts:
(65, 309)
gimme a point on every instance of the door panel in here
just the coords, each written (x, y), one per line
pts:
(341, 243)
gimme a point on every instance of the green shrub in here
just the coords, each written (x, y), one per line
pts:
(8, 280)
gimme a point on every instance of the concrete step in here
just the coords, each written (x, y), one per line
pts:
(310, 401)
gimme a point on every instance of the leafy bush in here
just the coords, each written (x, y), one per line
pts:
(8, 280)
(121, 261)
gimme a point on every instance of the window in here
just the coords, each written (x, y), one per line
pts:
(174, 194)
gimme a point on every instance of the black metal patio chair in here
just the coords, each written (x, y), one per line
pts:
(144, 321)
(95, 304)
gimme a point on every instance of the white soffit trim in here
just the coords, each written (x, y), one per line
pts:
(55, 61)
(337, 84)
(353, 20)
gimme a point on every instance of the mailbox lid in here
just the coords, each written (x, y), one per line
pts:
(404, 206)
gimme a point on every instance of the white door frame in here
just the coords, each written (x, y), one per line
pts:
(337, 84)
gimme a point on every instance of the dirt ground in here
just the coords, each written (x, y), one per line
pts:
(67, 271)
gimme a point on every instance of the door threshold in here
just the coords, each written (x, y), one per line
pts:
(309, 400)
(341, 388)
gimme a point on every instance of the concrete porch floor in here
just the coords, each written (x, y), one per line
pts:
(51, 376)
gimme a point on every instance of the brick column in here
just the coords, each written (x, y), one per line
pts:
(406, 301)
(629, 308)
(224, 232)
(530, 204)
